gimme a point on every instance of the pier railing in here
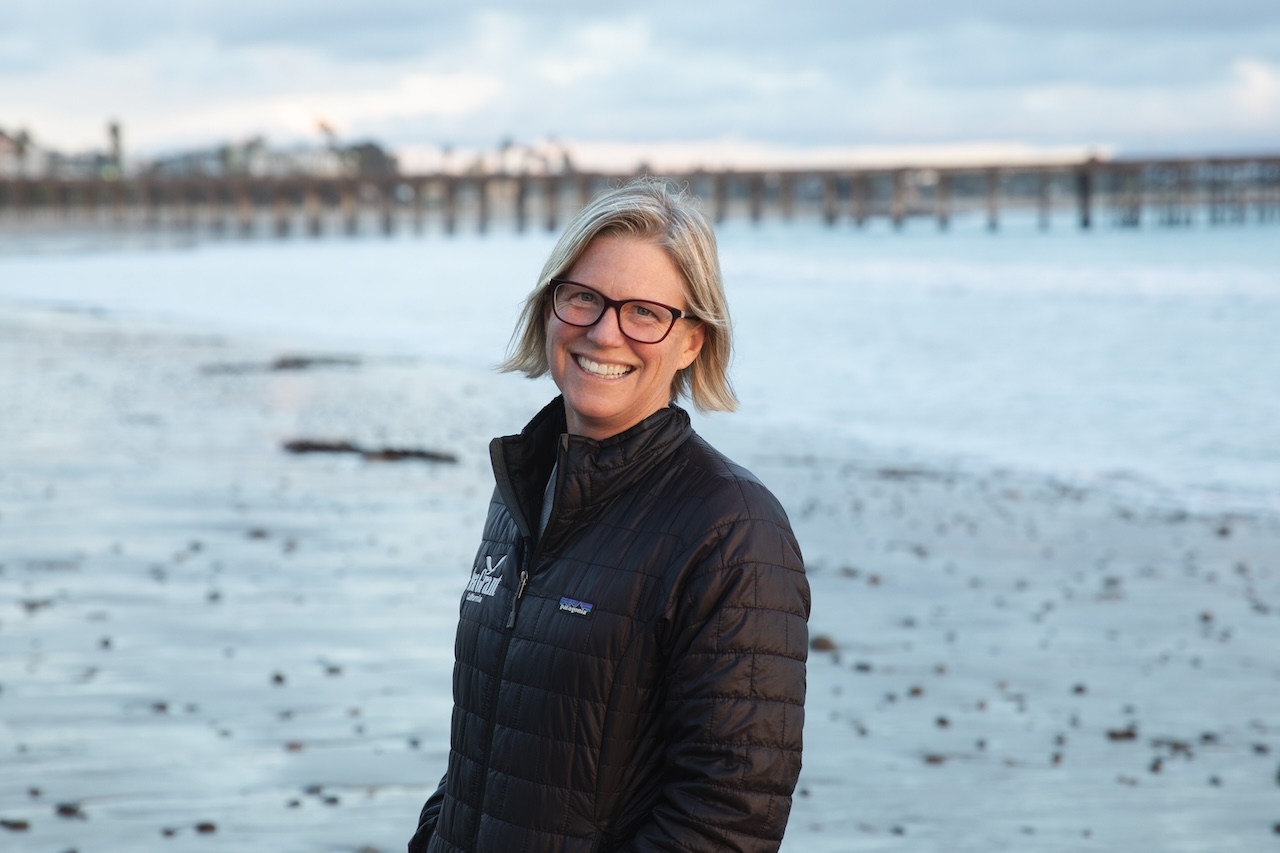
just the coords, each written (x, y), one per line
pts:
(1126, 193)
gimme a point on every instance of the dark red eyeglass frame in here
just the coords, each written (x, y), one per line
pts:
(676, 313)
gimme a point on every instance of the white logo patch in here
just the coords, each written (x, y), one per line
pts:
(484, 581)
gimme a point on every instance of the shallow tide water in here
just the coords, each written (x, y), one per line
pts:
(1146, 359)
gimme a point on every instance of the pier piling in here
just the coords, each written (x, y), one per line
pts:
(450, 205)
(993, 199)
(830, 199)
(1084, 196)
(481, 187)
(942, 201)
(551, 201)
(861, 199)
(1042, 199)
(898, 202)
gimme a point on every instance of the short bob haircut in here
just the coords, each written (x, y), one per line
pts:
(652, 210)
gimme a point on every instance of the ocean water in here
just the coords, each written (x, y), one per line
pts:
(1142, 361)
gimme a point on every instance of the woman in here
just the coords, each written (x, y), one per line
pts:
(630, 657)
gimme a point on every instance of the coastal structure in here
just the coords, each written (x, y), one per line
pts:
(1167, 192)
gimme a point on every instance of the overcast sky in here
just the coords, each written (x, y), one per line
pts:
(1134, 75)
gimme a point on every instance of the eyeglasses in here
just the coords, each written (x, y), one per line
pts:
(640, 320)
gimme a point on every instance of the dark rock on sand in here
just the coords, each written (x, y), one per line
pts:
(398, 454)
(306, 362)
(822, 643)
(71, 811)
(282, 363)
(307, 445)
(374, 454)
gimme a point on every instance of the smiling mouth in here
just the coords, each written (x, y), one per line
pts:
(604, 371)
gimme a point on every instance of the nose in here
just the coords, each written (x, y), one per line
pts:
(607, 331)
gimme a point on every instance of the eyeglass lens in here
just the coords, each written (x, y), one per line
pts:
(644, 322)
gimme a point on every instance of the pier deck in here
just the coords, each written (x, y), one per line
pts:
(1170, 192)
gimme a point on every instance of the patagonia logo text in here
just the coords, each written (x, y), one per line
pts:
(485, 581)
(578, 608)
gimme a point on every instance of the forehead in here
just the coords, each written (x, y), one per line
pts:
(624, 267)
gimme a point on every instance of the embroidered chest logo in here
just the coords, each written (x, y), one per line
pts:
(485, 581)
(577, 608)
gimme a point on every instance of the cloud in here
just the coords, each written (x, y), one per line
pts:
(193, 93)
(1257, 89)
(595, 50)
(798, 74)
(395, 29)
(425, 95)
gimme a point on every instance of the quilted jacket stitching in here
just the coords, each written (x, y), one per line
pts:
(718, 568)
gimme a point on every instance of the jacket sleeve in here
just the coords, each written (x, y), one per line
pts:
(733, 716)
(427, 818)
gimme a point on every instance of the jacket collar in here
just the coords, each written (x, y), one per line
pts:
(590, 472)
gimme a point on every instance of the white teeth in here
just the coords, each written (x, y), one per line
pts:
(608, 371)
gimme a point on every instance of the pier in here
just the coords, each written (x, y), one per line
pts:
(1164, 193)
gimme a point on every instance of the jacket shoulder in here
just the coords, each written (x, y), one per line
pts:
(733, 527)
(723, 489)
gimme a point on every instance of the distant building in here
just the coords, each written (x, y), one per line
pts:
(17, 153)
(255, 158)
(369, 158)
(21, 157)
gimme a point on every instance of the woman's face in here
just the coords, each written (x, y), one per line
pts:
(610, 382)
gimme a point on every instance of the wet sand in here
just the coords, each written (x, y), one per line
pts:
(207, 642)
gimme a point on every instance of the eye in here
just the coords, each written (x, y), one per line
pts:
(583, 297)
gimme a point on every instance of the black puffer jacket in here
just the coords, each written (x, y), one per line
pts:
(634, 679)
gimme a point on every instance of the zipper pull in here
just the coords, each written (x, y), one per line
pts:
(524, 581)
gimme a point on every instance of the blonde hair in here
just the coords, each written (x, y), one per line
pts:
(648, 209)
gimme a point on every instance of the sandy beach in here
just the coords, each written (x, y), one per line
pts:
(210, 643)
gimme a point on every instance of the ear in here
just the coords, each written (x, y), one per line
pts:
(693, 341)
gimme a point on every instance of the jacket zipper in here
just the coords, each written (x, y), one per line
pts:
(537, 549)
(515, 601)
